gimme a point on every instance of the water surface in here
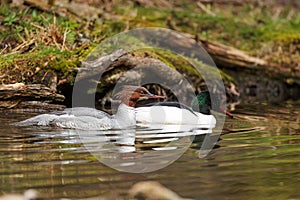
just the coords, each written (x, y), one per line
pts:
(257, 157)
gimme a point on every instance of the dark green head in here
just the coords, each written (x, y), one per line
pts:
(202, 103)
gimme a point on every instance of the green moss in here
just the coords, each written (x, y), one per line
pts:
(184, 65)
(177, 62)
(29, 67)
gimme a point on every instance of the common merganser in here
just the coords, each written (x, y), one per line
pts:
(92, 119)
(175, 113)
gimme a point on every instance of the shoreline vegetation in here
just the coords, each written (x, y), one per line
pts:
(46, 42)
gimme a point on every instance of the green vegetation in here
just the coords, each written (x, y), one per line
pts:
(32, 39)
(35, 43)
(246, 28)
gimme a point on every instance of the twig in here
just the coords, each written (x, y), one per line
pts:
(6, 46)
(23, 40)
(291, 14)
(26, 32)
(38, 26)
(203, 7)
(64, 39)
(277, 14)
(22, 46)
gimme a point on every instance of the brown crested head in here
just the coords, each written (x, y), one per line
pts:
(129, 95)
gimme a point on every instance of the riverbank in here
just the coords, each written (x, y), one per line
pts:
(45, 42)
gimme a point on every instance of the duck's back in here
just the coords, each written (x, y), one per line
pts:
(82, 111)
(75, 118)
(172, 113)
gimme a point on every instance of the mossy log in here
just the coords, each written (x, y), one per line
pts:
(124, 68)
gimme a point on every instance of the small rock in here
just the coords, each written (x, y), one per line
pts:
(151, 190)
(28, 195)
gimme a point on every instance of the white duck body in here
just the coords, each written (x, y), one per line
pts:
(158, 114)
(84, 118)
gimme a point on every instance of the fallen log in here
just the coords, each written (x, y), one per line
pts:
(23, 96)
(229, 57)
(28, 92)
(19, 106)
